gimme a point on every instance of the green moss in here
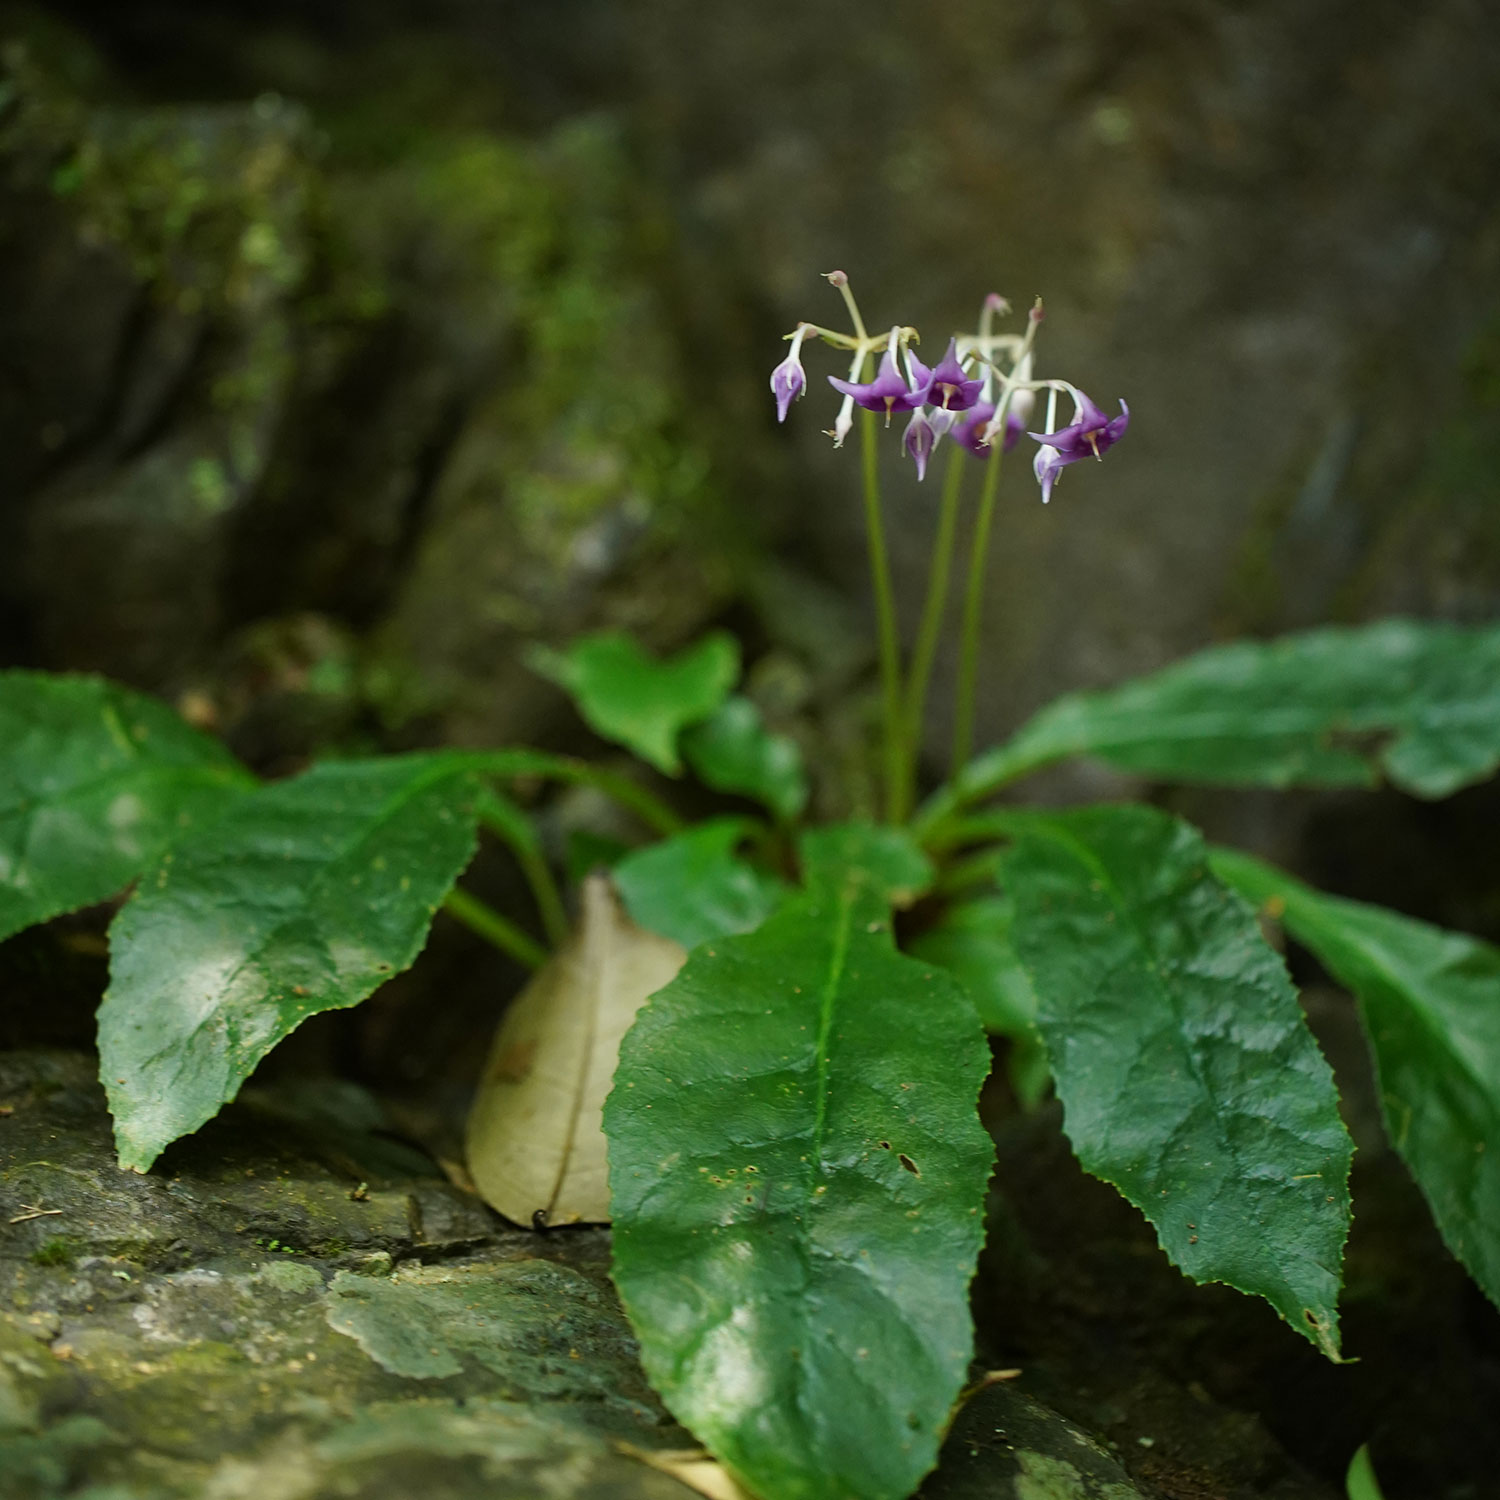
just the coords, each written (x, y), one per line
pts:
(57, 1251)
(595, 410)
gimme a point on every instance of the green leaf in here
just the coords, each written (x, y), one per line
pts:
(734, 752)
(1430, 1002)
(885, 861)
(1417, 702)
(303, 897)
(797, 1173)
(641, 701)
(1187, 1073)
(1360, 1482)
(973, 942)
(692, 887)
(95, 782)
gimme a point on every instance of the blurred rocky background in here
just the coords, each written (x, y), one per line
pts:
(348, 344)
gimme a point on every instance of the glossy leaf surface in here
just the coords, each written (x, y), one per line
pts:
(1418, 703)
(96, 780)
(734, 752)
(693, 886)
(1187, 1074)
(303, 897)
(642, 701)
(535, 1140)
(797, 1174)
(1430, 1002)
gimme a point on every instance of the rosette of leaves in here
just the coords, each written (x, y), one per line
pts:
(796, 1165)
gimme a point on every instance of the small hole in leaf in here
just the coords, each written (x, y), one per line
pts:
(908, 1163)
(884, 1145)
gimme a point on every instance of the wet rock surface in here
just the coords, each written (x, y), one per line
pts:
(294, 1303)
(286, 1308)
(297, 1303)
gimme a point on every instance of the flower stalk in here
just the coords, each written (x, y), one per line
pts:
(980, 394)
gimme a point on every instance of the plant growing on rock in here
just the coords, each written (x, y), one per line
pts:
(796, 1167)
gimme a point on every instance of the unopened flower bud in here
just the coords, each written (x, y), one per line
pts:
(919, 440)
(788, 380)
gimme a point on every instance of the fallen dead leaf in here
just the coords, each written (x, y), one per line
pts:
(535, 1142)
(692, 1467)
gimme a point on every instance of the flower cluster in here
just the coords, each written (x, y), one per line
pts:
(981, 393)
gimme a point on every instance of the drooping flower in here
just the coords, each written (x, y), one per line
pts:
(969, 431)
(1047, 465)
(1090, 435)
(941, 422)
(919, 439)
(950, 385)
(887, 393)
(788, 379)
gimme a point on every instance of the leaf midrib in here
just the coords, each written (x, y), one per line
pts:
(838, 960)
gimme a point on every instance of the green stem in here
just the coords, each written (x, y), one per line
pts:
(933, 610)
(650, 809)
(490, 925)
(977, 869)
(968, 653)
(885, 613)
(503, 818)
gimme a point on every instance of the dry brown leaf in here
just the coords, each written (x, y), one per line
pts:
(694, 1468)
(535, 1136)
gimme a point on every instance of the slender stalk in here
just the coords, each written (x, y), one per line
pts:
(490, 925)
(933, 611)
(885, 612)
(650, 809)
(503, 818)
(968, 652)
(978, 869)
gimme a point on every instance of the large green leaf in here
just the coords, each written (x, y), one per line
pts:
(303, 897)
(734, 752)
(1430, 1001)
(797, 1173)
(642, 701)
(1417, 702)
(882, 859)
(693, 887)
(95, 781)
(1187, 1073)
(972, 941)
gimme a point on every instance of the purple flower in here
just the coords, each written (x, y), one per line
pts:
(1090, 435)
(1048, 464)
(950, 386)
(968, 432)
(919, 440)
(888, 392)
(941, 422)
(973, 430)
(788, 379)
